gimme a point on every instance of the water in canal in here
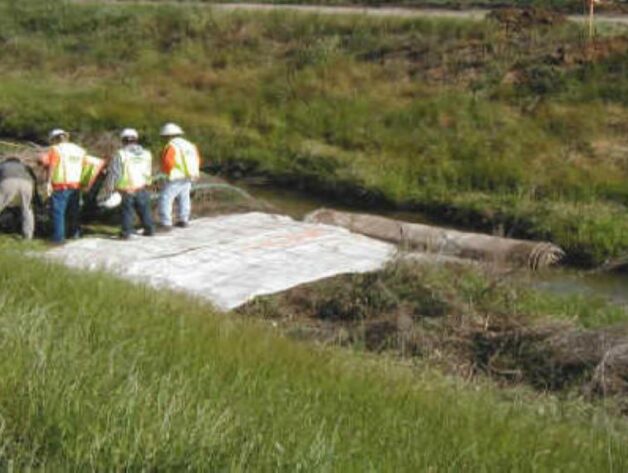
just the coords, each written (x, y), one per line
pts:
(563, 281)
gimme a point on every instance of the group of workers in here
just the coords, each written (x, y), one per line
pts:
(68, 168)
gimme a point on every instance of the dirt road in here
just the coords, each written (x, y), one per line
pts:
(471, 14)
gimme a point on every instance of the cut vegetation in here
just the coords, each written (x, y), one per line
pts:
(467, 321)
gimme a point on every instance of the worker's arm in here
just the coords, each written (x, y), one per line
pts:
(168, 160)
(114, 171)
(49, 160)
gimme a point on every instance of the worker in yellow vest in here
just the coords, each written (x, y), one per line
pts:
(180, 162)
(129, 173)
(64, 163)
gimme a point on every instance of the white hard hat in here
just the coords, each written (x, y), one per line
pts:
(56, 132)
(112, 201)
(129, 134)
(171, 129)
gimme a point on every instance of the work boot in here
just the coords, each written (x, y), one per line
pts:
(183, 224)
(164, 228)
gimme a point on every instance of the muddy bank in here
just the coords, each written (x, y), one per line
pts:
(465, 323)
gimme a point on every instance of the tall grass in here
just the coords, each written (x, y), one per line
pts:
(419, 112)
(101, 374)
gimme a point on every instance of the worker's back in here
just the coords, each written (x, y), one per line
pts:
(13, 168)
(17, 185)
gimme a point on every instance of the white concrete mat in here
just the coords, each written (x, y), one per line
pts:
(231, 259)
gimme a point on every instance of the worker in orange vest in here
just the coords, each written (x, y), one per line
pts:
(64, 163)
(180, 162)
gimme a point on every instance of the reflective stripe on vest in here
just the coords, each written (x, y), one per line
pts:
(187, 161)
(136, 168)
(68, 169)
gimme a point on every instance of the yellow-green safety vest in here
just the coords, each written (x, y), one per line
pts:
(187, 160)
(69, 167)
(136, 168)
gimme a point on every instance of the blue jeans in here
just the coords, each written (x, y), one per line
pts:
(139, 202)
(65, 204)
(179, 191)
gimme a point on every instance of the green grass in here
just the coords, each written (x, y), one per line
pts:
(106, 375)
(418, 113)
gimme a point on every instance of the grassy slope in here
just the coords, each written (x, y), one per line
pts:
(416, 112)
(159, 381)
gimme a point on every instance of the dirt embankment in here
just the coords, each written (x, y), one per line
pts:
(464, 324)
(464, 63)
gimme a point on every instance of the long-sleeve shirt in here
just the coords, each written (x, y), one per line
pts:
(168, 158)
(115, 170)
